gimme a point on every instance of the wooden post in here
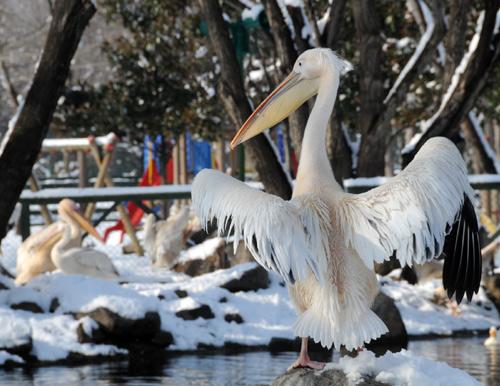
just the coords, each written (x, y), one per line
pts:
(175, 160)
(82, 166)
(100, 180)
(104, 179)
(35, 187)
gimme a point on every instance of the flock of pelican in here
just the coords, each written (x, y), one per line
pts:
(323, 242)
(59, 246)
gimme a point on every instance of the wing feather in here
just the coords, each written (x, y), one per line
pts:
(424, 211)
(289, 237)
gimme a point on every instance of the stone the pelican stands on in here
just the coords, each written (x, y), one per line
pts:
(324, 242)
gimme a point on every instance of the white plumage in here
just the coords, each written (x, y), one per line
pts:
(79, 260)
(164, 240)
(324, 242)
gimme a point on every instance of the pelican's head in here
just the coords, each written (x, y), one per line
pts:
(69, 211)
(493, 332)
(302, 83)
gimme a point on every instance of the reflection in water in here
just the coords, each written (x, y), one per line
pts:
(255, 368)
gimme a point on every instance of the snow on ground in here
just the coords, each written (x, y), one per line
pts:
(403, 368)
(266, 313)
(422, 316)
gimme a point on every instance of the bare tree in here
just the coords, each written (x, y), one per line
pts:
(22, 143)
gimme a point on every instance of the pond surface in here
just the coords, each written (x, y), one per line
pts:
(254, 368)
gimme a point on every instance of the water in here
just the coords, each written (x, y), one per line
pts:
(255, 368)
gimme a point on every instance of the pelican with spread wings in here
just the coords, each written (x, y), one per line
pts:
(324, 242)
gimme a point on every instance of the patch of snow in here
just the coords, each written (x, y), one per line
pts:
(353, 145)
(5, 356)
(54, 338)
(84, 294)
(252, 12)
(15, 331)
(201, 251)
(422, 316)
(403, 368)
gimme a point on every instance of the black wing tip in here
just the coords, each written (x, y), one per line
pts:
(462, 250)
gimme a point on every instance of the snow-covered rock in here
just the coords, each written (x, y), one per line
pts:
(403, 368)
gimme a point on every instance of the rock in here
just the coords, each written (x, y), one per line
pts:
(397, 337)
(54, 305)
(223, 300)
(328, 377)
(163, 338)
(181, 293)
(27, 306)
(115, 327)
(233, 317)
(251, 280)
(492, 285)
(203, 311)
(197, 267)
(242, 254)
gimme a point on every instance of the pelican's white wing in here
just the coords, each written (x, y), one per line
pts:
(425, 209)
(289, 237)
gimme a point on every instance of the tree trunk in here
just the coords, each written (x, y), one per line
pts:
(333, 30)
(371, 87)
(288, 55)
(22, 143)
(236, 103)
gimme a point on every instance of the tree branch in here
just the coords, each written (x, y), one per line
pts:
(21, 145)
(469, 84)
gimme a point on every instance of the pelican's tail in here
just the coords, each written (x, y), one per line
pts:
(344, 325)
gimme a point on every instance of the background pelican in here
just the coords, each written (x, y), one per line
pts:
(78, 260)
(164, 240)
(34, 254)
(324, 242)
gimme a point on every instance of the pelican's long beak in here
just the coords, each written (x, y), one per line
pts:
(85, 224)
(283, 101)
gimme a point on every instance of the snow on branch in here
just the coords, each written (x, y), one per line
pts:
(476, 124)
(455, 80)
(352, 144)
(424, 41)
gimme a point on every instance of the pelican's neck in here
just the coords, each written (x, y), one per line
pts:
(314, 166)
(62, 244)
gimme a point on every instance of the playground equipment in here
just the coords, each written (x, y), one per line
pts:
(102, 149)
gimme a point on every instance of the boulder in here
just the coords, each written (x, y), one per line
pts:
(206, 264)
(27, 306)
(113, 327)
(251, 280)
(202, 311)
(397, 337)
(233, 317)
(329, 377)
(181, 293)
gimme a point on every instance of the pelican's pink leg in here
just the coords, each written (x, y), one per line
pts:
(304, 360)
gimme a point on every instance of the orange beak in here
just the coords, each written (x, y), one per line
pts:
(283, 101)
(86, 225)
